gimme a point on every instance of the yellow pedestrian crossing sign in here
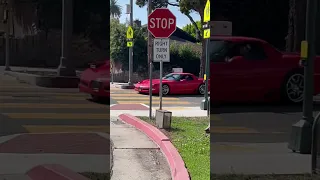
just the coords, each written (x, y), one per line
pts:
(206, 33)
(129, 44)
(207, 12)
(130, 33)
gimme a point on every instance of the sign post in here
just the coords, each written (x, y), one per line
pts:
(161, 24)
(161, 53)
(130, 46)
(206, 35)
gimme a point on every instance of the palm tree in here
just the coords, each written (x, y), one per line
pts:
(115, 9)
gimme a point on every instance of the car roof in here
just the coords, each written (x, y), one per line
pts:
(236, 38)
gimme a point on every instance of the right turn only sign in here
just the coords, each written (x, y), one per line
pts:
(161, 51)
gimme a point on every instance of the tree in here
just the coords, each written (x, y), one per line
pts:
(115, 9)
(191, 30)
(186, 7)
(119, 52)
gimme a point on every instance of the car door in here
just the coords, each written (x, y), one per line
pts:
(192, 83)
(181, 85)
(254, 69)
(226, 78)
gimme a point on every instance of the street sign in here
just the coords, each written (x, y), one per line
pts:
(162, 23)
(130, 33)
(177, 70)
(129, 44)
(207, 12)
(161, 50)
(206, 33)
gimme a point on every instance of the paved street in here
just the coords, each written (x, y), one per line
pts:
(129, 97)
(25, 108)
(256, 135)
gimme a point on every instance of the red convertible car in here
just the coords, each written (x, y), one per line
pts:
(248, 69)
(95, 80)
(173, 83)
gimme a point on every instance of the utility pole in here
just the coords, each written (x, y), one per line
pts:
(131, 48)
(7, 20)
(301, 136)
(65, 68)
(150, 61)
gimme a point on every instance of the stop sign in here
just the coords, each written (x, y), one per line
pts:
(162, 23)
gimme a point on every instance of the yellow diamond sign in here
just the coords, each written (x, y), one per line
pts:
(130, 33)
(207, 12)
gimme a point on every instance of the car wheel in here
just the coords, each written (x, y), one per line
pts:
(202, 89)
(293, 88)
(165, 89)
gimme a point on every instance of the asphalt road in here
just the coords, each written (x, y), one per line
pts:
(257, 123)
(25, 108)
(129, 96)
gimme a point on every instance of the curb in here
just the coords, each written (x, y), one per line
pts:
(45, 81)
(175, 161)
(53, 172)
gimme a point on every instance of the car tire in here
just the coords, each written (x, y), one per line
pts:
(165, 89)
(202, 89)
(293, 87)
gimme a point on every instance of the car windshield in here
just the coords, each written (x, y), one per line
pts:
(172, 76)
(218, 50)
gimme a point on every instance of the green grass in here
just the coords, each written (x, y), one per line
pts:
(96, 176)
(188, 136)
(264, 177)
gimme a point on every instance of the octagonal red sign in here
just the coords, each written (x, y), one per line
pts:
(162, 23)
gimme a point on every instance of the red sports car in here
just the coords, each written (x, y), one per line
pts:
(95, 80)
(173, 83)
(248, 69)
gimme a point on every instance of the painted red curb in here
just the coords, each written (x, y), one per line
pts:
(53, 172)
(176, 163)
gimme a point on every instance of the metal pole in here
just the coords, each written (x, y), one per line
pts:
(150, 62)
(301, 134)
(207, 73)
(308, 69)
(314, 147)
(112, 71)
(66, 39)
(7, 34)
(131, 48)
(160, 86)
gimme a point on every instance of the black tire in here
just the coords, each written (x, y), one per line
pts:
(167, 92)
(286, 97)
(204, 88)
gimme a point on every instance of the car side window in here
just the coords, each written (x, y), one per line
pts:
(252, 51)
(189, 78)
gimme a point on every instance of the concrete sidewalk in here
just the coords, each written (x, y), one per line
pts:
(257, 158)
(21, 153)
(135, 156)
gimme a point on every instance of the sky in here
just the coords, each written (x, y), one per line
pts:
(141, 14)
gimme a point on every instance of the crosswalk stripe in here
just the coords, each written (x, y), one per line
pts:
(63, 128)
(69, 116)
(22, 93)
(232, 130)
(147, 102)
(54, 106)
(143, 98)
(42, 98)
(127, 95)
